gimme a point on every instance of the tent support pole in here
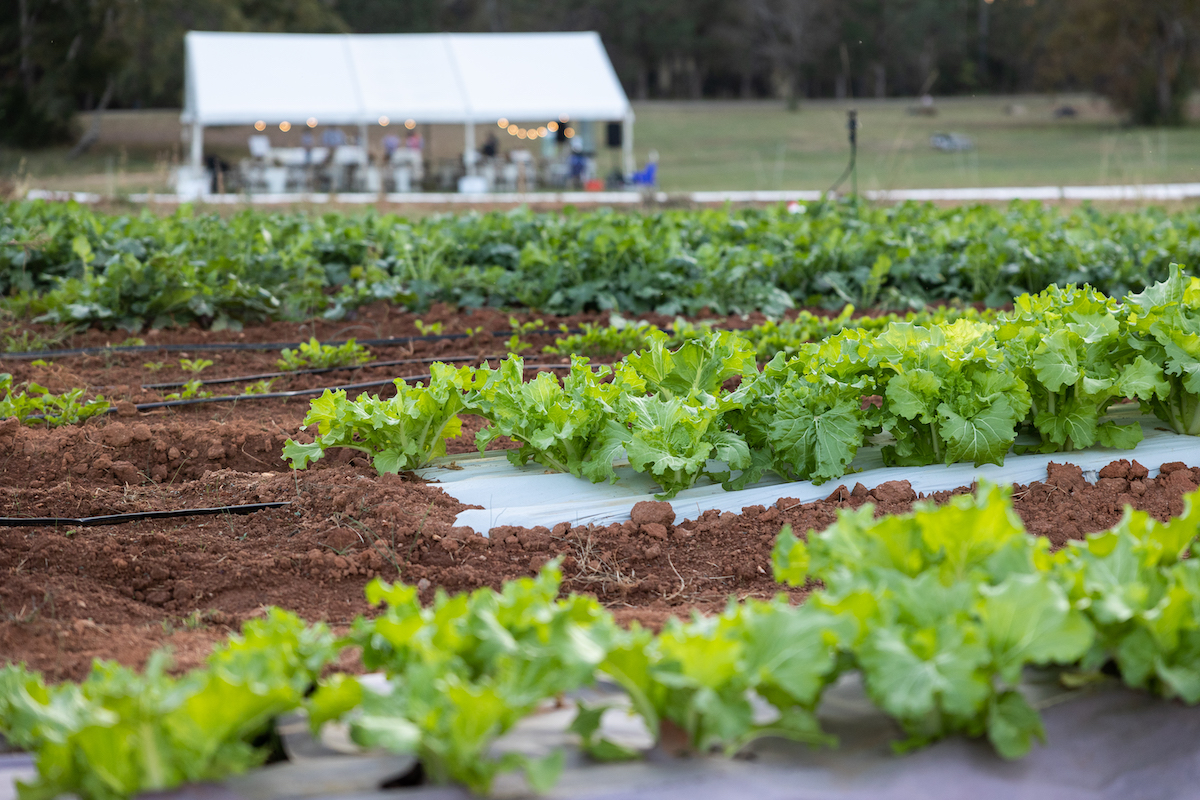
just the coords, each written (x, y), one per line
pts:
(469, 147)
(363, 140)
(627, 145)
(197, 148)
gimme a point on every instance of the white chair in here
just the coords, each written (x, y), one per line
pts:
(260, 146)
(472, 184)
(275, 179)
(346, 155)
(373, 179)
(402, 178)
(487, 171)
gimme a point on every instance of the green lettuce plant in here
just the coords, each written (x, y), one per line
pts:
(120, 733)
(1163, 325)
(37, 404)
(557, 424)
(1069, 349)
(950, 604)
(949, 393)
(401, 433)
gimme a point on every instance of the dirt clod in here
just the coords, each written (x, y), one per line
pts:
(893, 493)
(652, 511)
(655, 530)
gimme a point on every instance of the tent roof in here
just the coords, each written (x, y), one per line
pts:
(239, 78)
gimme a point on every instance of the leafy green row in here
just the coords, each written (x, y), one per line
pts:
(946, 392)
(663, 408)
(940, 610)
(948, 605)
(120, 733)
(769, 338)
(75, 265)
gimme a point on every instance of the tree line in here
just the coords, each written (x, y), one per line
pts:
(58, 57)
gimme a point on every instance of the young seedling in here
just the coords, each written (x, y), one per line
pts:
(314, 355)
(194, 367)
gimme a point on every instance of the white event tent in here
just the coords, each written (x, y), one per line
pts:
(355, 79)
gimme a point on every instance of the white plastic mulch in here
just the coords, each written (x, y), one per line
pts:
(529, 496)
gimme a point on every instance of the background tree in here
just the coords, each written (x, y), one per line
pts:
(1142, 56)
(58, 57)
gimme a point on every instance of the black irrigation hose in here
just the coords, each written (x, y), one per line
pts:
(322, 370)
(202, 347)
(118, 519)
(315, 371)
(233, 398)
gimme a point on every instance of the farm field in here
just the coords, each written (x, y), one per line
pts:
(971, 587)
(730, 145)
(76, 593)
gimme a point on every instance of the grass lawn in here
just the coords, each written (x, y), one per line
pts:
(712, 145)
(762, 146)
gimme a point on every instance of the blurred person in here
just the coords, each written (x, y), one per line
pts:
(490, 146)
(333, 137)
(391, 143)
(415, 141)
(578, 163)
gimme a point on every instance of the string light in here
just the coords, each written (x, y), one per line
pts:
(384, 121)
(570, 133)
(312, 122)
(542, 131)
(552, 126)
(512, 130)
(503, 123)
(520, 133)
(410, 123)
(564, 119)
(285, 126)
(260, 126)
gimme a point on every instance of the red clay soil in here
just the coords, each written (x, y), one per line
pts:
(70, 595)
(375, 321)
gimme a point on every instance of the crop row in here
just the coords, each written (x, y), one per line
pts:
(944, 392)
(72, 265)
(940, 611)
(34, 404)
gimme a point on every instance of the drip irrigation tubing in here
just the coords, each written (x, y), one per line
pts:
(314, 371)
(202, 347)
(234, 398)
(120, 519)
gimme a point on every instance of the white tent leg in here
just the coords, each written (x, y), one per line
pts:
(197, 148)
(627, 145)
(360, 172)
(469, 147)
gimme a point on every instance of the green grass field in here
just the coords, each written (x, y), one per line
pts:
(712, 145)
(761, 146)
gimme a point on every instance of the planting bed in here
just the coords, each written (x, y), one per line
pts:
(72, 594)
(74, 591)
